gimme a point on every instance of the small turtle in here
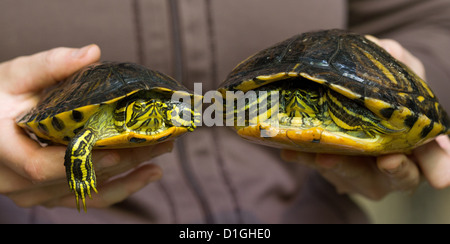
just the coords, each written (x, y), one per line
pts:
(108, 105)
(333, 92)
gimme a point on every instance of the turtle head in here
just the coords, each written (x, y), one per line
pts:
(300, 101)
(146, 115)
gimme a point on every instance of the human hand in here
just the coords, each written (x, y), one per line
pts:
(375, 177)
(34, 175)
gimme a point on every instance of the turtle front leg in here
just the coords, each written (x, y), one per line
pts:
(79, 168)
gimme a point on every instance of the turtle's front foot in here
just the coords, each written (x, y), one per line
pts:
(79, 168)
(81, 187)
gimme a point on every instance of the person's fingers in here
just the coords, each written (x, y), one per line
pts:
(110, 163)
(354, 174)
(26, 193)
(32, 73)
(373, 177)
(349, 174)
(11, 181)
(373, 39)
(27, 157)
(39, 194)
(116, 190)
(40, 164)
(299, 157)
(36, 174)
(28, 74)
(444, 142)
(403, 174)
(434, 161)
(142, 154)
(119, 189)
(348, 166)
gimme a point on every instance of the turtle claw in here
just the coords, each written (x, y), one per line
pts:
(83, 188)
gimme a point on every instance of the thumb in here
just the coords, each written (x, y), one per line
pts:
(32, 73)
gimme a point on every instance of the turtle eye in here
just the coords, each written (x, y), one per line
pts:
(288, 93)
(161, 105)
(302, 93)
(138, 106)
(314, 97)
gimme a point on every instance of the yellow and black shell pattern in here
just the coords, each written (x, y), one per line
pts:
(65, 108)
(352, 66)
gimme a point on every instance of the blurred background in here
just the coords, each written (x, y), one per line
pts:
(424, 206)
(46, 25)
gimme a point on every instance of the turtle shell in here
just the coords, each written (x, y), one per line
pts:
(356, 68)
(65, 107)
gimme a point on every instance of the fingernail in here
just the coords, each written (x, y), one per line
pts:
(80, 52)
(393, 171)
(155, 175)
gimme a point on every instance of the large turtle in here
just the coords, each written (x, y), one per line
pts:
(109, 105)
(333, 92)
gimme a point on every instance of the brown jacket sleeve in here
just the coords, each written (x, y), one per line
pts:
(421, 26)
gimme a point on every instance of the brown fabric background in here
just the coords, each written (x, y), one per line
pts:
(213, 176)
